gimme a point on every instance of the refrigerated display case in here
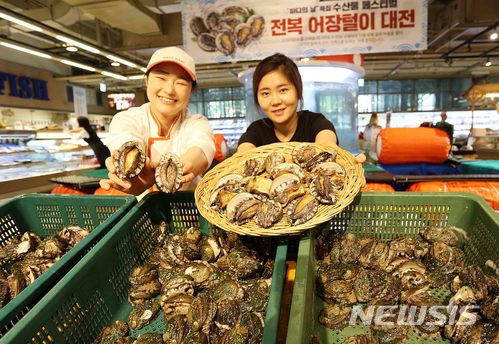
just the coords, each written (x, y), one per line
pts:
(28, 159)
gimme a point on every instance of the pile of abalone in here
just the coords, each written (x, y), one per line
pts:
(25, 257)
(225, 31)
(280, 185)
(422, 278)
(198, 289)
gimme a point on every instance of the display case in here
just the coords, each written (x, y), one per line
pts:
(29, 158)
(487, 146)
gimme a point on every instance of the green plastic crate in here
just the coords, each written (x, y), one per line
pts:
(94, 293)
(387, 216)
(46, 215)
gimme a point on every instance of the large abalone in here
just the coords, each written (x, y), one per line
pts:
(257, 24)
(225, 42)
(268, 213)
(302, 209)
(242, 208)
(197, 26)
(129, 159)
(212, 20)
(206, 41)
(303, 153)
(286, 187)
(169, 173)
(272, 160)
(242, 34)
(254, 166)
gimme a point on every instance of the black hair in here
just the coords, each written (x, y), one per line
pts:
(83, 121)
(278, 62)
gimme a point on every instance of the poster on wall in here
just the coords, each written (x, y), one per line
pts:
(80, 101)
(224, 31)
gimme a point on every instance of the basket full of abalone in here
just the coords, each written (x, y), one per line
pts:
(279, 189)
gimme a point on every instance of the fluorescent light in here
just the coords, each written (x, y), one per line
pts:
(112, 75)
(78, 65)
(71, 48)
(20, 22)
(136, 77)
(78, 44)
(115, 64)
(492, 95)
(143, 69)
(26, 50)
(118, 59)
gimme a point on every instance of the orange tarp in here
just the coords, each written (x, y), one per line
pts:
(383, 187)
(489, 191)
(412, 145)
(114, 192)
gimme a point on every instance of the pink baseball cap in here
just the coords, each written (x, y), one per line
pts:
(175, 55)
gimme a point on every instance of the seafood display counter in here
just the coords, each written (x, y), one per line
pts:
(28, 160)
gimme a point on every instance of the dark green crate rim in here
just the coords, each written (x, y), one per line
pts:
(383, 210)
(59, 310)
(45, 215)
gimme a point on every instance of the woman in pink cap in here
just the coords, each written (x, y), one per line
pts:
(164, 124)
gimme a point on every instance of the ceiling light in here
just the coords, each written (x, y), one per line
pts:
(488, 63)
(71, 48)
(13, 17)
(493, 36)
(492, 95)
(136, 77)
(143, 69)
(78, 65)
(112, 75)
(78, 44)
(26, 50)
(118, 59)
(20, 22)
(115, 64)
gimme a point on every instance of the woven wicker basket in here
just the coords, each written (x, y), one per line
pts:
(235, 164)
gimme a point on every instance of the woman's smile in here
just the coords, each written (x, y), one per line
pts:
(167, 100)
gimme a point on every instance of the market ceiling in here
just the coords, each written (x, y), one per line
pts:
(128, 32)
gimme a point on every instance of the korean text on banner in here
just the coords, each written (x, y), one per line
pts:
(80, 101)
(253, 29)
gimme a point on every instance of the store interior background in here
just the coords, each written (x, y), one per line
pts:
(414, 86)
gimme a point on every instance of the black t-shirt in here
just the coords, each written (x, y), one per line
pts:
(262, 132)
